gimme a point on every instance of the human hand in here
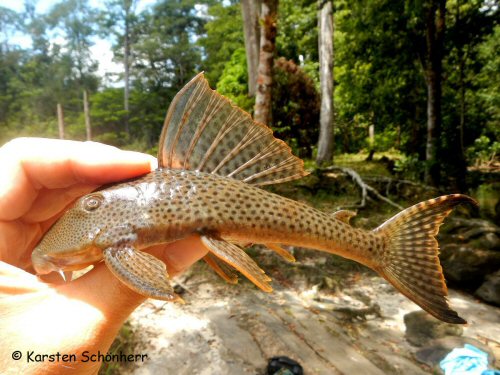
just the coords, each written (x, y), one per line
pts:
(39, 178)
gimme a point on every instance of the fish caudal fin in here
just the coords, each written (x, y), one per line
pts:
(410, 261)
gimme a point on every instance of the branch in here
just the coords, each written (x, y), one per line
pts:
(365, 188)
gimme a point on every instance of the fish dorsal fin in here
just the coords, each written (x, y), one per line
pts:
(344, 215)
(204, 131)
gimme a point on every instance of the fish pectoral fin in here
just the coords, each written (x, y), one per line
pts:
(344, 215)
(282, 252)
(140, 271)
(237, 258)
(223, 269)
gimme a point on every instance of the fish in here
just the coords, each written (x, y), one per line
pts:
(213, 161)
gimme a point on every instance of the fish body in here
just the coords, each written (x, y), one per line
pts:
(213, 159)
(167, 205)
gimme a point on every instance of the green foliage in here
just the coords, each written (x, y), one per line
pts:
(165, 54)
(410, 167)
(295, 104)
(378, 79)
(72, 17)
(297, 30)
(488, 80)
(233, 82)
(379, 58)
(224, 35)
(108, 116)
(483, 150)
(295, 107)
(384, 141)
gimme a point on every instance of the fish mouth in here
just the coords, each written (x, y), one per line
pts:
(44, 263)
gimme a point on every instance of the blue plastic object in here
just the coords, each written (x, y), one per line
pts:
(468, 360)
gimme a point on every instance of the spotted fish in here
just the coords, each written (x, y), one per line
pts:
(213, 159)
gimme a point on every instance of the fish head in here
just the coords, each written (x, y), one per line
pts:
(70, 244)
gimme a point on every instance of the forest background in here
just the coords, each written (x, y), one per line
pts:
(390, 60)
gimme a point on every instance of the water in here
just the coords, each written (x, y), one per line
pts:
(488, 196)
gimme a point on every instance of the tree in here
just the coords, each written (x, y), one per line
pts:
(224, 35)
(250, 10)
(75, 19)
(325, 27)
(119, 18)
(432, 61)
(267, 47)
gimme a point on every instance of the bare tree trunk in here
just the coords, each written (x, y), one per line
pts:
(460, 162)
(88, 128)
(60, 120)
(250, 10)
(435, 21)
(263, 99)
(325, 28)
(371, 142)
(126, 63)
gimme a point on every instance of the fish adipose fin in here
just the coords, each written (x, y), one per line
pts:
(140, 271)
(411, 261)
(237, 258)
(344, 215)
(204, 131)
(224, 270)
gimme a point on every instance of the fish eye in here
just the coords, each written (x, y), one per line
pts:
(92, 202)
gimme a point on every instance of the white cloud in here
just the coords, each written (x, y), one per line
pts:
(101, 51)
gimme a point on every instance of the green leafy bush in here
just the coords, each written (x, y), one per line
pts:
(483, 150)
(410, 167)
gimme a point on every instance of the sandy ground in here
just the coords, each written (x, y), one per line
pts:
(225, 329)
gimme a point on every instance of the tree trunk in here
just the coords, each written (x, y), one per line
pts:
(460, 163)
(126, 63)
(371, 142)
(250, 10)
(60, 120)
(435, 26)
(87, 115)
(263, 100)
(325, 28)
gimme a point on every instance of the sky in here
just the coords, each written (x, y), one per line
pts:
(101, 50)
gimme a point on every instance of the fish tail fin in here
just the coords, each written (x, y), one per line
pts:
(411, 262)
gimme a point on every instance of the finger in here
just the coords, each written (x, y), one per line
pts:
(49, 203)
(16, 241)
(179, 255)
(30, 164)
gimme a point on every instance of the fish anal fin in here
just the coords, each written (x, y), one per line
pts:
(410, 261)
(238, 259)
(344, 215)
(223, 269)
(280, 251)
(204, 131)
(140, 271)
